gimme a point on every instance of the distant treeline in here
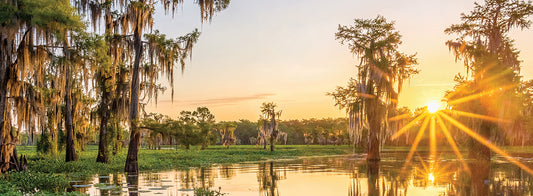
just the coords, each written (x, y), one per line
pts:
(245, 132)
(191, 129)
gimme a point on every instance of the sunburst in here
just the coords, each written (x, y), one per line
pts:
(435, 114)
(433, 106)
(433, 173)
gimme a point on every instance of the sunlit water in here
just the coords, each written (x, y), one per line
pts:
(339, 175)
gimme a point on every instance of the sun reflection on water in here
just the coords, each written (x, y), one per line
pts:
(343, 176)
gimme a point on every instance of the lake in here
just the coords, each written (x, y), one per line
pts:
(336, 175)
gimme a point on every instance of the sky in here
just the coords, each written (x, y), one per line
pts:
(284, 51)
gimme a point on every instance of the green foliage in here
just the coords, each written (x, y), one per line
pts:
(54, 15)
(244, 131)
(8, 189)
(115, 132)
(47, 143)
(167, 159)
(31, 182)
(207, 192)
(189, 135)
(7, 11)
(191, 128)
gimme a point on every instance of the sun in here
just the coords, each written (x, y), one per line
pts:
(431, 177)
(433, 106)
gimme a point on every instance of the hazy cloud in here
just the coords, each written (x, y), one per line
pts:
(221, 101)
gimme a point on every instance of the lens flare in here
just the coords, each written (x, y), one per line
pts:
(433, 106)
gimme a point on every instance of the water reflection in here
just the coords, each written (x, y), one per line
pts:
(104, 180)
(268, 178)
(133, 184)
(349, 175)
(481, 170)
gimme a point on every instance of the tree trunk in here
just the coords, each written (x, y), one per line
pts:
(373, 143)
(274, 131)
(374, 131)
(71, 151)
(104, 102)
(271, 144)
(104, 115)
(7, 147)
(479, 151)
(373, 113)
(118, 141)
(135, 136)
(5, 152)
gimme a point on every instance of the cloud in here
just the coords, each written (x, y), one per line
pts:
(220, 101)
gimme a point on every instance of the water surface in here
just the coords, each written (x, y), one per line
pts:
(339, 175)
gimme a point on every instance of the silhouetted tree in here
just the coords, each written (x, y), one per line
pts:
(269, 127)
(381, 72)
(490, 57)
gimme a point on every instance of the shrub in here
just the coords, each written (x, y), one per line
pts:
(207, 192)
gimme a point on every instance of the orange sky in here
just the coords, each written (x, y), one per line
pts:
(286, 52)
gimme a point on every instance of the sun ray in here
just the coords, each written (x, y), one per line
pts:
(399, 117)
(423, 164)
(408, 126)
(417, 140)
(452, 143)
(478, 95)
(484, 141)
(432, 139)
(496, 76)
(486, 80)
(434, 171)
(479, 116)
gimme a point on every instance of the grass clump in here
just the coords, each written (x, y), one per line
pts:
(168, 159)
